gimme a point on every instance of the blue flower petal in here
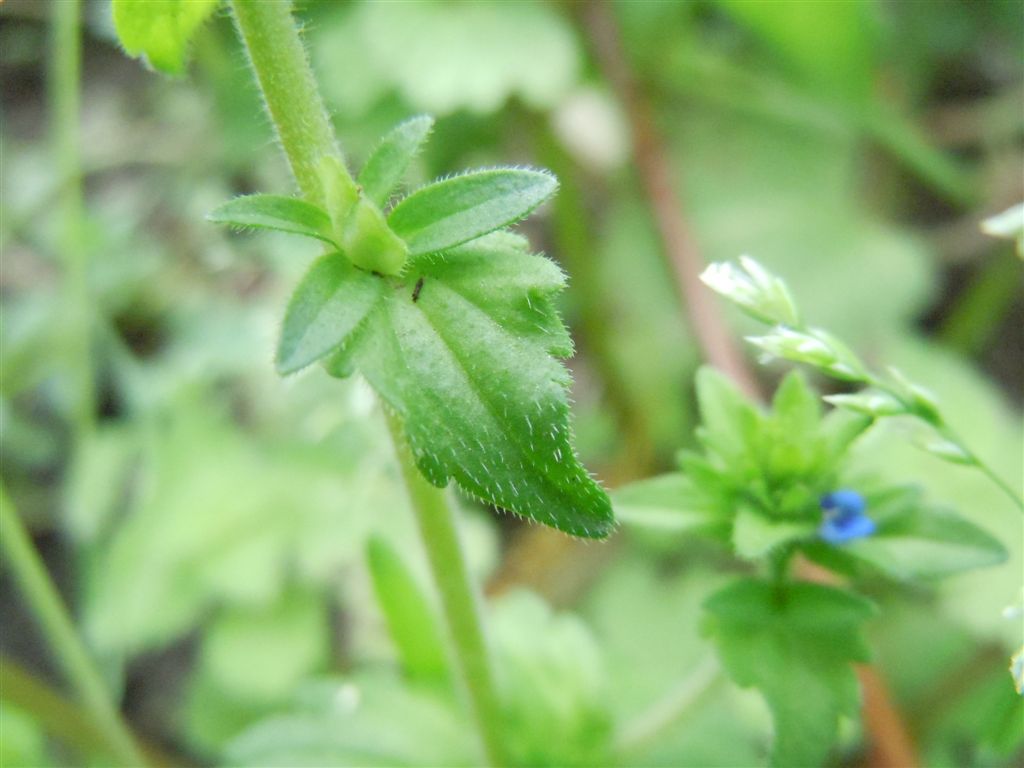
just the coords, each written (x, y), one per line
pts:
(844, 517)
(845, 501)
(840, 531)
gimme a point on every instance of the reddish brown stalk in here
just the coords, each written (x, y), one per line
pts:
(891, 746)
(704, 315)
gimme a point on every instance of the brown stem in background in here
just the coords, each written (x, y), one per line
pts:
(716, 341)
(891, 746)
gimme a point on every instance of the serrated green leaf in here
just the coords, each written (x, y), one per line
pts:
(330, 302)
(465, 355)
(160, 30)
(794, 643)
(411, 620)
(453, 211)
(666, 503)
(754, 535)
(385, 167)
(285, 214)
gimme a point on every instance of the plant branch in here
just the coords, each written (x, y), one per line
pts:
(65, 103)
(59, 630)
(891, 745)
(289, 89)
(61, 718)
(458, 599)
(293, 101)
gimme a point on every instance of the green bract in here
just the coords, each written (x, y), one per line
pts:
(160, 30)
(461, 338)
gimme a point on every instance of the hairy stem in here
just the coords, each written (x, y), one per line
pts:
(458, 599)
(272, 40)
(65, 103)
(282, 69)
(42, 597)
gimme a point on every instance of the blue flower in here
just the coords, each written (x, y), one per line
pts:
(844, 517)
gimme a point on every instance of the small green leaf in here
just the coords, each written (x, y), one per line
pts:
(369, 243)
(753, 289)
(327, 306)
(464, 353)
(795, 643)
(411, 620)
(754, 535)
(1009, 224)
(285, 214)
(914, 542)
(728, 419)
(456, 210)
(160, 30)
(871, 402)
(814, 347)
(949, 451)
(384, 170)
(665, 503)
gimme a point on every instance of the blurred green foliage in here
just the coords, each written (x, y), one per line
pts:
(212, 533)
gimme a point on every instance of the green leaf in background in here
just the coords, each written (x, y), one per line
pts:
(260, 653)
(328, 305)
(915, 541)
(452, 211)
(465, 352)
(554, 689)
(24, 741)
(795, 643)
(667, 503)
(285, 214)
(389, 161)
(441, 57)
(412, 621)
(754, 536)
(160, 30)
(370, 719)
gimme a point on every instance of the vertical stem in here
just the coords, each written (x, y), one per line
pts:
(293, 101)
(282, 69)
(458, 598)
(41, 595)
(65, 102)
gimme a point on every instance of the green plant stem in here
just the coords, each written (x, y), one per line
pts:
(289, 88)
(458, 598)
(293, 101)
(58, 628)
(65, 103)
(668, 711)
(64, 719)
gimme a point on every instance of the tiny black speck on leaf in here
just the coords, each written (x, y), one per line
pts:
(416, 290)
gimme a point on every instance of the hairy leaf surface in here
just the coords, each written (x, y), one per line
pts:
(329, 303)
(285, 214)
(387, 164)
(795, 643)
(453, 211)
(463, 350)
